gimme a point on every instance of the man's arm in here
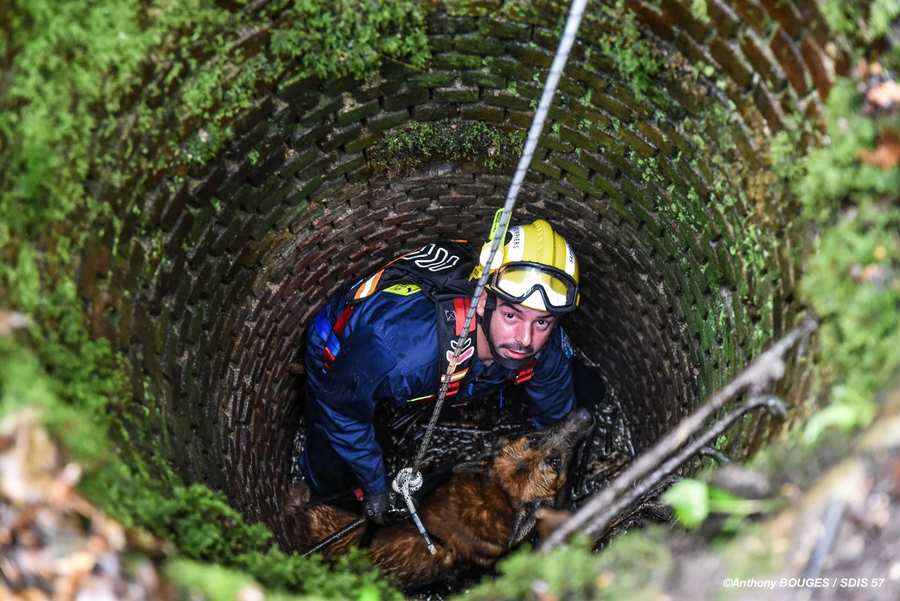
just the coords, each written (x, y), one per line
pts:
(551, 391)
(347, 401)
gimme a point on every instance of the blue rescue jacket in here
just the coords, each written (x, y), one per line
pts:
(389, 352)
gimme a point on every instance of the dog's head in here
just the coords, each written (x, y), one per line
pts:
(532, 468)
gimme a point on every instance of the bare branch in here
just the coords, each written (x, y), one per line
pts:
(768, 367)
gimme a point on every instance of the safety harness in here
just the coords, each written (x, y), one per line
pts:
(441, 271)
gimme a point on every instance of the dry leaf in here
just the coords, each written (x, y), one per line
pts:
(10, 321)
(885, 94)
(886, 155)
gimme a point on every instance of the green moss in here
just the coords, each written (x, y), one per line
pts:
(635, 59)
(452, 140)
(852, 280)
(632, 567)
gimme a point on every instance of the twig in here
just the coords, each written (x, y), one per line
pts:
(833, 516)
(767, 367)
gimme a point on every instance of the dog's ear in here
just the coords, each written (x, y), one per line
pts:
(524, 522)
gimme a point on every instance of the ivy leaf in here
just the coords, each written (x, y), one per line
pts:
(690, 501)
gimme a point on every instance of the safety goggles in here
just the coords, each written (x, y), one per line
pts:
(514, 282)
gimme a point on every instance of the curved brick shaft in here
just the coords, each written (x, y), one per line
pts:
(686, 241)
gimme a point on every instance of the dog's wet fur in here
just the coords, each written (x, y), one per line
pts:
(485, 508)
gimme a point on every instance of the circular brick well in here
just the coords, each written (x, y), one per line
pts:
(688, 243)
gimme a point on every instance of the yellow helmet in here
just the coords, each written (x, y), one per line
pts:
(535, 267)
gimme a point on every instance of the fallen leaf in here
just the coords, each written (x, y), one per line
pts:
(886, 155)
(885, 94)
(10, 321)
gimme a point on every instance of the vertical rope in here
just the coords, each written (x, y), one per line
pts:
(576, 12)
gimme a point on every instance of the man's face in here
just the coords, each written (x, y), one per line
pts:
(518, 332)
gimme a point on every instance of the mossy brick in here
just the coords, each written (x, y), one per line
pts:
(480, 112)
(304, 190)
(658, 22)
(176, 205)
(598, 164)
(655, 137)
(377, 90)
(567, 190)
(768, 107)
(815, 23)
(681, 14)
(752, 13)
(818, 65)
(732, 63)
(456, 61)
(388, 120)
(353, 115)
(611, 189)
(762, 63)
(252, 116)
(397, 70)
(477, 43)
(569, 166)
(249, 141)
(584, 185)
(551, 141)
(576, 138)
(456, 94)
(364, 141)
(440, 42)
(509, 68)
(581, 112)
(723, 17)
(434, 112)
(450, 24)
(521, 119)
(339, 85)
(410, 96)
(180, 234)
(271, 162)
(611, 105)
(531, 56)
(636, 143)
(482, 78)
(786, 13)
(506, 30)
(790, 60)
(323, 111)
(201, 190)
(305, 137)
(607, 143)
(569, 87)
(339, 137)
(547, 169)
(296, 161)
(432, 80)
(504, 99)
(347, 165)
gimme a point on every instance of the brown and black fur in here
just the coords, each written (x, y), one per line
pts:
(484, 509)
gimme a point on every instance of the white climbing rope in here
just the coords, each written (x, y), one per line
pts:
(405, 485)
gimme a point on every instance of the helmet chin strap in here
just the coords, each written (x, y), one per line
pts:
(490, 304)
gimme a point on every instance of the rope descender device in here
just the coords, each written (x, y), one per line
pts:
(405, 483)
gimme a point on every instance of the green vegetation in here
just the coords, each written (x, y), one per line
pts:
(635, 59)
(695, 500)
(73, 78)
(852, 279)
(451, 140)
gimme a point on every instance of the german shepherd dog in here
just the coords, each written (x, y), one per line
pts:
(480, 512)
